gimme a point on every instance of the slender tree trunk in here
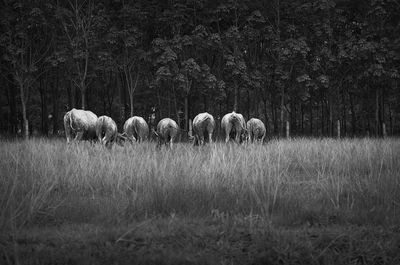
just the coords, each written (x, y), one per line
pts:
(302, 118)
(122, 96)
(330, 107)
(311, 116)
(266, 113)
(292, 117)
(236, 95)
(274, 116)
(248, 104)
(175, 103)
(353, 115)
(24, 116)
(110, 93)
(322, 118)
(13, 107)
(344, 114)
(71, 100)
(83, 96)
(159, 104)
(55, 97)
(377, 120)
(382, 110)
(169, 103)
(227, 108)
(76, 96)
(43, 99)
(186, 112)
(131, 89)
(390, 120)
(131, 104)
(282, 124)
(104, 99)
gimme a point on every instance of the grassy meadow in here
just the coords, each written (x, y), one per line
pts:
(299, 201)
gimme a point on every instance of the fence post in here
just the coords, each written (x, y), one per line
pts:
(338, 128)
(287, 129)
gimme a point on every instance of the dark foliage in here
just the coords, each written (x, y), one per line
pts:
(316, 64)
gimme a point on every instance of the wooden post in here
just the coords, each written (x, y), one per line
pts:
(338, 128)
(384, 130)
(287, 129)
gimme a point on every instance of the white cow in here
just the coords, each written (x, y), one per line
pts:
(136, 129)
(256, 130)
(234, 126)
(167, 129)
(81, 123)
(106, 131)
(203, 127)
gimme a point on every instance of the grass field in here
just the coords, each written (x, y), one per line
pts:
(301, 201)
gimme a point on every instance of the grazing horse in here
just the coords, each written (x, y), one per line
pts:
(106, 131)
(256, 130)
(81, 124)
(234, 126)
(203, 127)
(136, 129)
(167, 129)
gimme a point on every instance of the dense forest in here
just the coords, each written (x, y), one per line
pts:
(313, 63)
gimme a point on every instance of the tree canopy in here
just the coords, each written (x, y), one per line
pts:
(311, 63)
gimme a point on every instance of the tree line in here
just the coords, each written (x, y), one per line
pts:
(310, 63)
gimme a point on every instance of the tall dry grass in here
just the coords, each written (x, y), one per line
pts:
(287, 182)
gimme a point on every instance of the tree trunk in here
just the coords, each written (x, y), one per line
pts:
(390, 120)
(131, 104)
(12, 102)
(377, 119)
(24, 116)
(311, 116)
(302, 118)
(236, 95)
(43, 103)
(287, 129)
(104, 99)
(186, 112)
(227, 108)
(292, 117)
(175, 104)
(353, 115)
(131, 89)
(71, 101)
(110, 94)
(274, 116)
(55, 97)
(169, 103)
(322, 118)
(248, 104)
(282, 132)
(76, 96)
(83, 97)
(344, 114)
(382, 110)
(122, 96)
(266, 113)
(160, 113)
(330, 107)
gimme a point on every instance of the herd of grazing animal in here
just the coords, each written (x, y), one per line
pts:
(85, 125)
